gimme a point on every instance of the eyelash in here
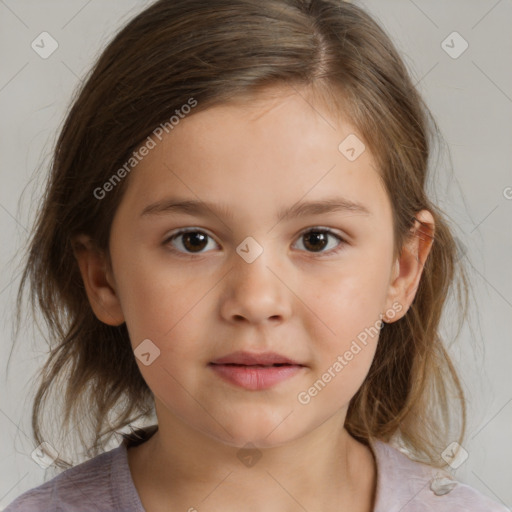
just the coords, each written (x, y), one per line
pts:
(336, 250)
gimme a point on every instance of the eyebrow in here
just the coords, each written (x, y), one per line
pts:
(300, 209)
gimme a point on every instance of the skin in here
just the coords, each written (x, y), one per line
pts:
(308, 305)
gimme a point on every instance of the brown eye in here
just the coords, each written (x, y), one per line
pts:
(194, 241)
(316, 240)
(191, 242)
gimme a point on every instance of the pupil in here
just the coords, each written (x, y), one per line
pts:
(315, 237)
(196, 240)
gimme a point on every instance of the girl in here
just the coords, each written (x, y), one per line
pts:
(236, 236)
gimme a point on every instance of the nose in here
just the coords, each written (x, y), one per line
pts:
(256, 293)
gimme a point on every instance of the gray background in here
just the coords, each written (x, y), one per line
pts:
(470, 97)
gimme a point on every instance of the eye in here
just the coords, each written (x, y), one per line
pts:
(193, 241)
(316, 239)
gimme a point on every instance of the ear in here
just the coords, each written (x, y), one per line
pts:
(408, 267)
(98, 280)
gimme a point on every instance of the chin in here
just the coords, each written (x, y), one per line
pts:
(258, 433)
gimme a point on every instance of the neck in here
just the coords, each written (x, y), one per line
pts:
(326, 469)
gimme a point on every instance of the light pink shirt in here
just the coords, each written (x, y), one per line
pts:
(104, 484)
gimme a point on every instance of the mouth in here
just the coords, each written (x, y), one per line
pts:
(257, 365)
(255, 372)
(266, 359)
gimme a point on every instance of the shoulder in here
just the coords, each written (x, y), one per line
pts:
(85, 487)
(409, 486)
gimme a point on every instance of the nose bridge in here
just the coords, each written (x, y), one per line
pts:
(255, 291)
(252, 264)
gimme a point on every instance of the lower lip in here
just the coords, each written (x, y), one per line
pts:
(255, 377)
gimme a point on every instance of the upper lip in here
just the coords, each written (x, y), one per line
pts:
(251, 358)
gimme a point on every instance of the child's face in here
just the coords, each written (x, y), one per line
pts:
(297, 298)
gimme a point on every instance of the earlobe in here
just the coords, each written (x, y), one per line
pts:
(408, 268)
(98, 281)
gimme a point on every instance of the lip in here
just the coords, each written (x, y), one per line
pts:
(255, 371)
(255, 378)
(251, 358)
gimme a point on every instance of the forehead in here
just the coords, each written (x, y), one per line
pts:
(258, 155)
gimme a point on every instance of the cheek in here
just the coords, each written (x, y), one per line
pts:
(344, 338)
(344, 329)
(157, 301)
(348, 300)
(165, 312)
(334, 385)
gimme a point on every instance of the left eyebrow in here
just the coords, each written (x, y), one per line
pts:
(201, 208)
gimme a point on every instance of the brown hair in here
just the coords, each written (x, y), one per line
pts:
(214, 52)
